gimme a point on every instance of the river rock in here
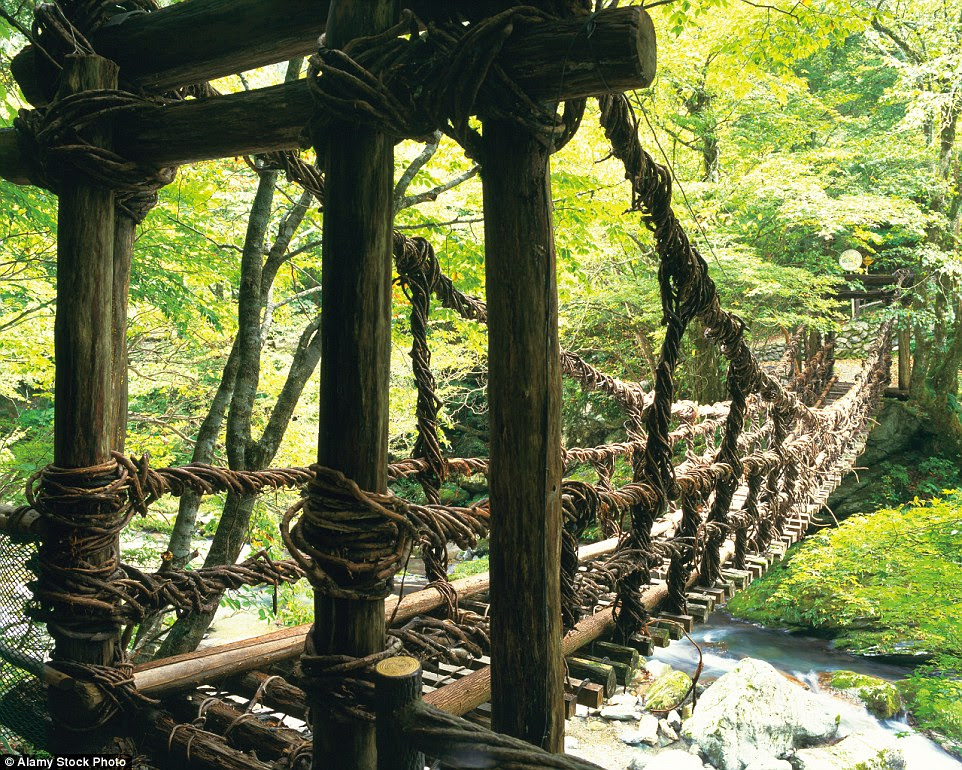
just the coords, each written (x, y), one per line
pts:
(618, 713)
(667, 690)
(878, 696)
(621, 708)
(869, 751)
(752, 714)
(666, 731)
(673, 718)
(673, 758)
(647, 732)
(656, 668)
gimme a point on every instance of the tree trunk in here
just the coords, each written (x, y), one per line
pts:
(182, 536)
(707, 378)
(524, 398)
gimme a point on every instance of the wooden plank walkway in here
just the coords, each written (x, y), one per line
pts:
(702, 600)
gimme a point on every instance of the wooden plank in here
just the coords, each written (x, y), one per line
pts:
(642, 643)
(355, 365)
(673, 624)
(595, 671)
(586, 693)
(524, 408)
(83, 411)
(660, 636)
(700, 598)
(627, 655)
(622, 671)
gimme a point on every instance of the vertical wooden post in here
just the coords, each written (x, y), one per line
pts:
(125, 229)
(524, 405)
(905, 358)
(83, 344)
(397, 686)
(355, 362)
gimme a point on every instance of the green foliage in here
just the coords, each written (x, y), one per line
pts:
(468, 568)
(881, 584)
(925, 478)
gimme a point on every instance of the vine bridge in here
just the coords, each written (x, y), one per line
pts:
(715, 492)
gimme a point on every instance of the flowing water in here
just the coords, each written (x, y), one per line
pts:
(724, 641)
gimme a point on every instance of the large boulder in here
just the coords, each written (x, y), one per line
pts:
(867, 752)
(667, 690)
(878, 696)
(753, 713)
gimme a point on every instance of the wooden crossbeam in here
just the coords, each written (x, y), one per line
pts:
(550, 61)
(197, 40)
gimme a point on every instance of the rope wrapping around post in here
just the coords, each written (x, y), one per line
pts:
(410, 730)
(418, 274)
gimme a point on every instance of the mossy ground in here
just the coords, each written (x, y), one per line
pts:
(889, 582)
(880, 697)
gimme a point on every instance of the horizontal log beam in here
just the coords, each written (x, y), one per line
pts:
(198, 40)
(551, 61)
(193, 669)
(620, 56)
(469, 692)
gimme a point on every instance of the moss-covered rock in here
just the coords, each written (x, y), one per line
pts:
(878, 696)
(667, 690)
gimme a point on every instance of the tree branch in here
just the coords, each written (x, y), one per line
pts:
(303, 364)
(896, 38)
(411, 171)
(434, 192)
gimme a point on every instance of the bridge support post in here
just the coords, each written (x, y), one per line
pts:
(524, 404)
(355, 365)
(905, 358)
(85, 408)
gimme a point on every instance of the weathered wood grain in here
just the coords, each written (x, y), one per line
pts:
(524, 408)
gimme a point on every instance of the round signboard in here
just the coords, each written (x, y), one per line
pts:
(850, 260)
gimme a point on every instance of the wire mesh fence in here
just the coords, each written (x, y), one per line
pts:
(24, 645)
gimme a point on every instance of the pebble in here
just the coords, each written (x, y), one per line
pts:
(647, 732)
(673, 718)
(619, 713)
(666, 730)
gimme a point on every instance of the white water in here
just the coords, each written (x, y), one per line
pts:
(725, 641)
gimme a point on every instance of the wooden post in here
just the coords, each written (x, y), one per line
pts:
(905, 358)
(125, 229)
(83, 344)
(397, 686)
(355, 362)
(524, 404)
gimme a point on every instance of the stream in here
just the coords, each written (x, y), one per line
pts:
(725, 640)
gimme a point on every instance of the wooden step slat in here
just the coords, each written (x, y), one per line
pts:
(593, 671)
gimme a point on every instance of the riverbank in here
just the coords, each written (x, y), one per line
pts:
(753, 716)
(886, 586)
